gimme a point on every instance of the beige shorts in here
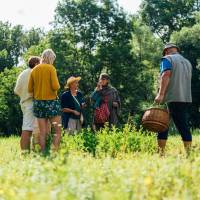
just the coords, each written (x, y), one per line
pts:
(74, 126)
(28, 117)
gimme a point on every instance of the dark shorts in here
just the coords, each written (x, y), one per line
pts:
(179, 114)
(46, 108)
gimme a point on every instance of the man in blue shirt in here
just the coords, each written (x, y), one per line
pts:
(175, 90)
(165, 65)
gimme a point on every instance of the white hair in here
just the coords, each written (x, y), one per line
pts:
(48, 56)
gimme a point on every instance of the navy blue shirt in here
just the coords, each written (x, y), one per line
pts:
(67, 101)
(165, 65)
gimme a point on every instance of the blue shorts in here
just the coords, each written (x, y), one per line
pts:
(46, 108)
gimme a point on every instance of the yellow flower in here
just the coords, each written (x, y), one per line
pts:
(148, 181)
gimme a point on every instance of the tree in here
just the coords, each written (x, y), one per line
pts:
(6, 58)
(147, 48)
(36, 50)
(14, 41)
(167, 16)
(93, 37)
(145, 44)
(32, 37)
(10, 112)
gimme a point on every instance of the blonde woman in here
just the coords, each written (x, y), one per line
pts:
(44, 84)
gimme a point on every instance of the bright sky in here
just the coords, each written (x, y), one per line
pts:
(38, 13)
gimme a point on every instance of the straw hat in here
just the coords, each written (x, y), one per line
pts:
(71, 80)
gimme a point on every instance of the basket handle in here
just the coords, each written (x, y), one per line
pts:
(159, 104)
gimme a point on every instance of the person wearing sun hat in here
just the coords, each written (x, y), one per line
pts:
(72, 104)
(175, 90)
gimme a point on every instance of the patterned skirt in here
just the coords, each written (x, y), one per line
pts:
(46, 108)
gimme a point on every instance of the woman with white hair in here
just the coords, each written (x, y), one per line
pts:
(44, 84)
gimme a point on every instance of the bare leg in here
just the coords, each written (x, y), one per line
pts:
(36, 133)
(25, 141)
(43, 127)
(56, 121)
(161, 146)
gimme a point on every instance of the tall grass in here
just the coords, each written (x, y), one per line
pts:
(109, 165)
(110, 142)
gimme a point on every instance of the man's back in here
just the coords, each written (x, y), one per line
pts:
(21, 88)
(179, 89)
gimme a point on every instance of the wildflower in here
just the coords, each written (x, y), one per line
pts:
(148, 181)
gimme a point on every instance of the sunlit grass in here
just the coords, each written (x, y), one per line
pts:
(118, 172)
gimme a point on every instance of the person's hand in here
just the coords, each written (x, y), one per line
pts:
(76, 113)
(115, 104)
(159, 98)
(99, 86)
(83, 105)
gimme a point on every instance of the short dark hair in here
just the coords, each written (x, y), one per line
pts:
(33, 61)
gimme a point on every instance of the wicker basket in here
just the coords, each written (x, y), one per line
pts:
(156, 119)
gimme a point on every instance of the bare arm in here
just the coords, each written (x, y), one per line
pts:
(68, 110)
(165, 78)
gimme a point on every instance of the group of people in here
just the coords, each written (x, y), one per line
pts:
(38, 88)
(106, 104)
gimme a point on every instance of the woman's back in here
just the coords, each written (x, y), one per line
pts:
(43, 82)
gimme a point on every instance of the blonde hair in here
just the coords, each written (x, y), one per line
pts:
(48, 56)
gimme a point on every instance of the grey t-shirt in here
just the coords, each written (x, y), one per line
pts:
(179, 89)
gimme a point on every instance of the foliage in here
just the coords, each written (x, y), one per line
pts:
(10, 38)
(148, 50)
(110, 142)
(90, 37)
(14, 41)
(167, 16)
(76, 174)
(10, 113)
(144, 41)
(36, 50)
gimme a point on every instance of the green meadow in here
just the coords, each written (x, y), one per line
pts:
(110, 165)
